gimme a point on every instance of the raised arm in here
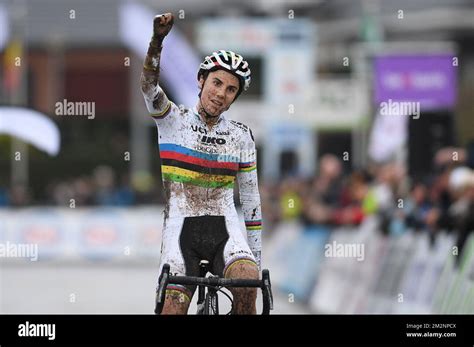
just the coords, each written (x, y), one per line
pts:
(156, 100)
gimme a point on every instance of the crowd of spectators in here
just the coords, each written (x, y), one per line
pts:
(103, 187)
(441, 200)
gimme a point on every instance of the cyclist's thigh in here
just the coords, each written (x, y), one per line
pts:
(172, 254)
(236, 249)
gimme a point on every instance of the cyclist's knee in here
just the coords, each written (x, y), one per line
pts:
(176, 303)
(242, 269)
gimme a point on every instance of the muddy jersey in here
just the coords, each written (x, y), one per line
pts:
(201, 165)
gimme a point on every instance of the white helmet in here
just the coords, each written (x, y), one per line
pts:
(228, 61)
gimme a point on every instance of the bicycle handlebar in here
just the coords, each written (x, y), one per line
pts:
(215, 281)
(264, 284)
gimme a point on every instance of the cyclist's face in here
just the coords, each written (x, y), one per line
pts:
(218, 91)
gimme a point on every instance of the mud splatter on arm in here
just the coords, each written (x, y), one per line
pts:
(250, 196)
(156, 100)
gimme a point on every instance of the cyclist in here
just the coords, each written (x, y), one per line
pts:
(202, 155)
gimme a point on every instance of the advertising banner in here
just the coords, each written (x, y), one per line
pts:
(427, 79)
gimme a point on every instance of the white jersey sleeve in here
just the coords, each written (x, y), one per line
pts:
(156, 101)
(164, 112)
(249, 194)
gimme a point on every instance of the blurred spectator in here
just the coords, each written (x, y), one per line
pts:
(324, 192)
(124, 194)
(4, 201)
(148, 190)
(357, 202)
(470, 155)
(63, 192)
(417, 207)
(442, 199)
(380, 199)
(83, 191)
(270, 204)
(326, 186)
(291, 191)
(449, 155)
(104, 180)
(461, 185)
(19, 196)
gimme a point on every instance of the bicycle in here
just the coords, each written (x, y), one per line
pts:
(208, 301)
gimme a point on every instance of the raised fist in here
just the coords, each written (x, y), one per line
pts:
(162, 25)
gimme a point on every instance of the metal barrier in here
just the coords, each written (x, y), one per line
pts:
(393, 274)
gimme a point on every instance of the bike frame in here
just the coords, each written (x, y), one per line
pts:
(203, 305)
